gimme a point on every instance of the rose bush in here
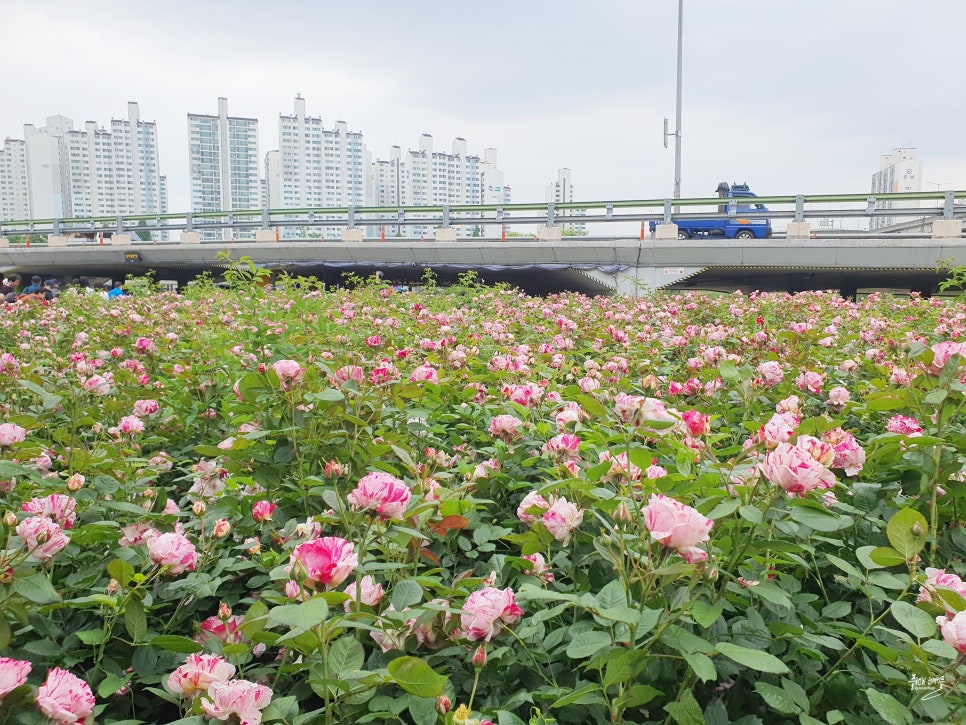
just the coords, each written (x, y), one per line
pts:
(298, 506)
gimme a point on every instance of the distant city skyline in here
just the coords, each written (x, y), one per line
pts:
(789, 97)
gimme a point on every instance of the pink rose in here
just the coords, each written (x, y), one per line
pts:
(771, 372)
(677, 526)
(144, 345)
(41, 537)
(13, 673)
(640, 411)
(11, 433)
(57, 506)
(506, 427)
(289, 373)
(327, 561)
(242, 698)
(137, 534)
(262, 511)
(849, 456)
(382, 493)
(349, 372)
(621, 469)
(144, 408)
(795, 470)
(486, 611)
(810, 381)
(174, 552)
(936, 578)
(905, 425)
(779, 429)
(65, 698)
(562, 518)
(424, 373)
(954, 630)
(563, 446)
(838, 396)
(366, 591)
(695, 423)
(539, 566)
(226, 630)
(98, 385)
(198, 673)
(821, 451)
(130, 424)
(532, 508)
(942, 353)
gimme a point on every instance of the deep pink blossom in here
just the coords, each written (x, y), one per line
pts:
(326, 561)
(795, 470)
(65, 698)
(57, 506)
(41, 537)
(562, 519)
(263, 510)
(174, 552)
(382, 493)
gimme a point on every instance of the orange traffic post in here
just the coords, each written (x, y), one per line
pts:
(276, 234)
(642, 231)
(503, 233)
(383, 235)
(28, 240)
(100, 238)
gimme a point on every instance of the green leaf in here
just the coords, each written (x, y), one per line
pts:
(346, 656)
(638, 695)
(329, 395)
(111, 684)
(753, 658)
(836, 610)
(706, 614)
(907, 531)
(886, 556)
(120, 571)
(136, 620)
(913, 619)
(725, 508)
(864, 555)
(405, 593)
(627, 615)
(686, 710)
(936, 396)
(889, 708)
(587, 644)
(702, 665)
(819, 519)
(91, 636)
(844, 566)
(174, 643)
(586, 695)
(751, 514)
(304, 616)
(777, 698)
(36, 588)
(623, 666)
(416, 677)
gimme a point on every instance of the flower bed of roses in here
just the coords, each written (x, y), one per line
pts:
(371, 506)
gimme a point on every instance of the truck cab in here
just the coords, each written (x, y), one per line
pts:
(747, 223)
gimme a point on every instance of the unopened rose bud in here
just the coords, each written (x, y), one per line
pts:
(113, 587)
(222, 527)
(443, 704)
(199, 508)
(10, 519)
(479, 657)
(917, 529)
(75, 482)
(6, 576)
(224, 612)
(253, 546)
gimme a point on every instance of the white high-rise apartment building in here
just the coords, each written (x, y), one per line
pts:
(899, 171)
(424, 177)
(314, 166)
(223, 162)
(63, 172)
(562, 191)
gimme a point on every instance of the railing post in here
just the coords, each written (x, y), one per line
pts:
(188, 225)
(266, 219)
(120, 224)
(667, 211)
(949, 204)
(351, 217)
(56, 227)
(870, 206)
(609, 212)
(551, 209)
(800, 207)
(732, 207)
(445, 216)
(499, 214)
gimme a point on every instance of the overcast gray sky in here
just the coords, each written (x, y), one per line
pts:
(792, 97)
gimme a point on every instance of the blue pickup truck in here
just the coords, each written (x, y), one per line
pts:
(749, 226)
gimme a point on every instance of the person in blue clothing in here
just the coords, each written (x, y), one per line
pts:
(34, 287)
(115, 291)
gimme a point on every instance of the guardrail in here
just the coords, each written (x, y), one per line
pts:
(800, 207)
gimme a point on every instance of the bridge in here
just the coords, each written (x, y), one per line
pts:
(809, 253)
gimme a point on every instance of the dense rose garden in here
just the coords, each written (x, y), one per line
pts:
(470, 506)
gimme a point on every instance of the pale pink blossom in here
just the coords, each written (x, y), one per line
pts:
(838, 396)
(771, 372)
(654, 471)
(138, 533)
(905, 425)
(288, 372)
(507, 428)
(326, 561)
(225, 629)
(640, 411)
(366, 591)
(563, 446)
(795, 470)
(486, 612)
(145, 408)
(943, 352)
(849, 455)
(197, 674)
(791, 404)
(532, 508)
(821, 451)
(936, 578)
(241, 698)
(677, 526)
(130, 425)
(424, 373)
(97, 385)
(13, 673)
(57, 506)
(621, 469)
(810, 381)
(381, 493)
(779, 429)
(953, 630)
(539, 566)
(562, 519)
(174, 552)
(11, 433)
(65, 698)
(41, 537)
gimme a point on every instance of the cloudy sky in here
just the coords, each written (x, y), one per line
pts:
(792, 97)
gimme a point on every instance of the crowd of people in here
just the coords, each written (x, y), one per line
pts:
(46, 290)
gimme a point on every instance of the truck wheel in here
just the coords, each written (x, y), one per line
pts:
(745, 234)
(683, 234)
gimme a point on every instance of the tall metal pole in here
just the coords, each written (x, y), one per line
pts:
(677, 112)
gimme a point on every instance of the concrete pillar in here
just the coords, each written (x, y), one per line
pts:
(56, 240)
(265, 235)
(946, 228)
(445, 234)
(798, 230)
(190, 237)
(352, 235)
(666, 231)
(121, 240)
(4, 242)
(550, 234)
